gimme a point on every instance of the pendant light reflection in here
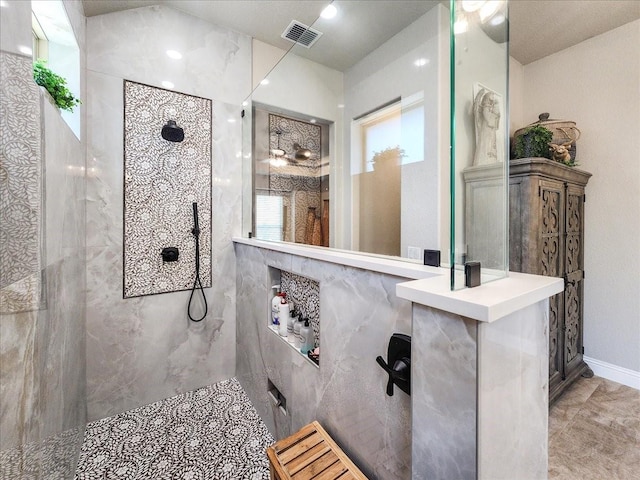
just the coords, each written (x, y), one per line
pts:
(301, 153)
(276, 155)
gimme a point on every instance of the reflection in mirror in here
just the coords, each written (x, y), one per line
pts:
(291, 178)
(377, 180)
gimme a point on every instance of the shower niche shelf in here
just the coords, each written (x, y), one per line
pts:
(304, 294)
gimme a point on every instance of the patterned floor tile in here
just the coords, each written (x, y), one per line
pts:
(210, 433)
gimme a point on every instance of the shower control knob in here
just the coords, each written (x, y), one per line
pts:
(169, 254)
(399, 366)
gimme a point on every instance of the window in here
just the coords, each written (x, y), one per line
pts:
(398, 126)
(379, 131)
(55, 42)
(40, 43)
(269, 217)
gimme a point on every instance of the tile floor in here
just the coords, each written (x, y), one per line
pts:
(594, 432)
(215, 433)
(210, 433)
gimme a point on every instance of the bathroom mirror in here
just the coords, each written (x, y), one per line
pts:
(375, 129)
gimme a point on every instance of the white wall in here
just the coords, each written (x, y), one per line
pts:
(597, 84)
(385, 74)
(263, 58)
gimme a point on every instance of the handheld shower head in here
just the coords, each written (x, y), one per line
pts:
(172, 132)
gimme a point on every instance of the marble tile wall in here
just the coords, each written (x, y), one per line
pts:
(145, 349)
(347, 394)
(480, 395)
(478, 405)
(42, 344)
(443, 394)
(513, 395)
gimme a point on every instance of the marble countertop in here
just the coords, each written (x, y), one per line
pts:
(431, 286)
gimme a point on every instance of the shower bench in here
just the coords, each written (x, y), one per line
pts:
(310, 453)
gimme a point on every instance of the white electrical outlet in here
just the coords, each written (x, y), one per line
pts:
(414, 253)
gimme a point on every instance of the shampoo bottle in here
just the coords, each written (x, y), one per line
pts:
(283, 316)
(306, 335)
(275, 304)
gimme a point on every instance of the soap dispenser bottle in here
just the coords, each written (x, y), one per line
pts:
(306, 337)
(275, 304)
(293, 318)
(283, 316)
(296, 331)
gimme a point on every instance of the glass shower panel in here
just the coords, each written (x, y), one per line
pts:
(479, 132)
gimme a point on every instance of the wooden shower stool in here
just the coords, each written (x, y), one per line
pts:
(308, 454)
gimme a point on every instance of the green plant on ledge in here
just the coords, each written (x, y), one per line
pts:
(55, 85)
(534, 142)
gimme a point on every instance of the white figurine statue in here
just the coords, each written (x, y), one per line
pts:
(486, 114)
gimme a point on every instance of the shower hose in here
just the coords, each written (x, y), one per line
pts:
(197, 283)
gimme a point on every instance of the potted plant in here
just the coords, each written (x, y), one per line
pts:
(534, 142)
(55, 85)
(388, 157)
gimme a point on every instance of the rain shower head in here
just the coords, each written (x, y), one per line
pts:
(172, 132)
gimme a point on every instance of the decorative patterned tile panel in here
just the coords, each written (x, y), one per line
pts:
(161, 181)
(305, 134)
(305, 295)
(20, 186)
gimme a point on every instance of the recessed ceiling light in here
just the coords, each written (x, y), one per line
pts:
(329, 12)
(231, 120)
(176, 55)
(313, 120)
(341, 105)
(245, 103)
(24, 49)
(421, 62)
(264, 81)
(167, 84)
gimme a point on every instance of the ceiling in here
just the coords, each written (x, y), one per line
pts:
(538, 28)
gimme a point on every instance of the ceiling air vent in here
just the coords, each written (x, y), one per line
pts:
(301, 34)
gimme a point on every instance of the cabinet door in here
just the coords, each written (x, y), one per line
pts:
(551, 244)
(574, 274)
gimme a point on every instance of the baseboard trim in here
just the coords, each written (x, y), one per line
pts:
(612, 372)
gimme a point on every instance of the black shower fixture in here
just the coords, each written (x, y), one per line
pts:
(172, 132)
